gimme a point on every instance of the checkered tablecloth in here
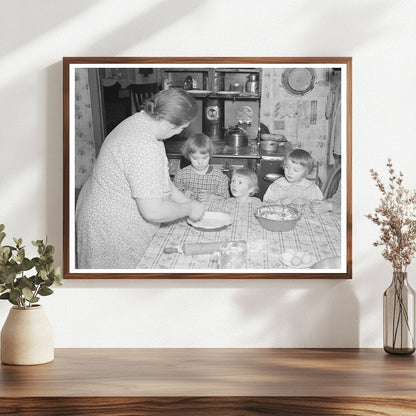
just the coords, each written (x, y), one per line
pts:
(319, 235)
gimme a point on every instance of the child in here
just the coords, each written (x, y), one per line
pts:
(294, 187)
(200, 180)
(331, 204)
(244, 184)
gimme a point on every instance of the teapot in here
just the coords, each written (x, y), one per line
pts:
(236, 136)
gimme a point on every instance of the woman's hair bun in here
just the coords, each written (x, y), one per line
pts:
(174, 105)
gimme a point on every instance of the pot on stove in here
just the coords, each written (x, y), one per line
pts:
(236, 137)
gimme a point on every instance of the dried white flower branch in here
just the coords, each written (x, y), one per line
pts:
(396, 216)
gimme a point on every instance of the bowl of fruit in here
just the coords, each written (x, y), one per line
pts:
(278, 218)
(297, 259)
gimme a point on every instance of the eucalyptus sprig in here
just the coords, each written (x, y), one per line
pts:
(396, 216)
(16, 285)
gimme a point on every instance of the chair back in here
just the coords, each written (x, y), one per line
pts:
(141, 93)
(331, 185)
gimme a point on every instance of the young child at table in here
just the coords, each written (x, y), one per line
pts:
(244, 184)
(294, 187)
(332, 204)
(200, 180)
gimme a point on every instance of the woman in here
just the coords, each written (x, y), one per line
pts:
(129, 192)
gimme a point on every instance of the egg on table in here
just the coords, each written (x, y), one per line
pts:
(306, 258)
(296, 261)
(295, 258)
(287, 257)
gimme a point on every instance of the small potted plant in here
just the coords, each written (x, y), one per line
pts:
(26, 336)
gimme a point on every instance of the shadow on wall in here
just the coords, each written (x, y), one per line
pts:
(40, 16)
(45, 16)
(348, 25)
(286, 313)
(160, 15)
(301, 314)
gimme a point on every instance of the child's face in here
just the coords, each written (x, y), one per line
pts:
(199, 160)
(240, 186)
(294, 171)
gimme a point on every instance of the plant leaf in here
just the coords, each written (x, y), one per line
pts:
(27, 293)
(26, 264)
(7, 277)
(15, 294)
(45, 291)
(25, 282)
(49, 250)
(18, 242)
(43, 274)
(21, 255)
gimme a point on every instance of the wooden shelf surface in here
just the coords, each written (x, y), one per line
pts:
(212, 381)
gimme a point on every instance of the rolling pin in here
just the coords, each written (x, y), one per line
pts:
(191, 249)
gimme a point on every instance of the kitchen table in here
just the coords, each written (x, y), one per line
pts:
(319, 235)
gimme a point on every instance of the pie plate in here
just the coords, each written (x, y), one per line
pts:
(212, 221)
(199, 92)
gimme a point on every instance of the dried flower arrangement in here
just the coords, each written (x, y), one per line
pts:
(396, 216)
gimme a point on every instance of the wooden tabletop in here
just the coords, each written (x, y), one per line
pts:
(197, 381)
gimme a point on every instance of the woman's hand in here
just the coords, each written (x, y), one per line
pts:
(197, 211)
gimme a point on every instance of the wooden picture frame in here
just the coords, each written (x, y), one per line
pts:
(303, 102)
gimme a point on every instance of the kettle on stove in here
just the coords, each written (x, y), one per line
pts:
(236, 136)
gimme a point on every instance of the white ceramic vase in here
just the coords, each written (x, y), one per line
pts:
(27, 337)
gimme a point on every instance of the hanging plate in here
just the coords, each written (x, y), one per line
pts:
(298, 81)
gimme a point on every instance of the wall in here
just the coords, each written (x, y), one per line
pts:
(378, 34)
(302, 119)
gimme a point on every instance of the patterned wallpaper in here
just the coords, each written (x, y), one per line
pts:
(84, 132)
(300, 118)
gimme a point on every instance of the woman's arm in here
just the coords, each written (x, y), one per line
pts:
(160, 210)
(178, 180)
(177, 195)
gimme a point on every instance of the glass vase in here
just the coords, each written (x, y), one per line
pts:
(399, 316)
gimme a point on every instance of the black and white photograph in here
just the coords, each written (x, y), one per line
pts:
(207, 168)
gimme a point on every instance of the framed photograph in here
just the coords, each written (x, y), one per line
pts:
(207, 168)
